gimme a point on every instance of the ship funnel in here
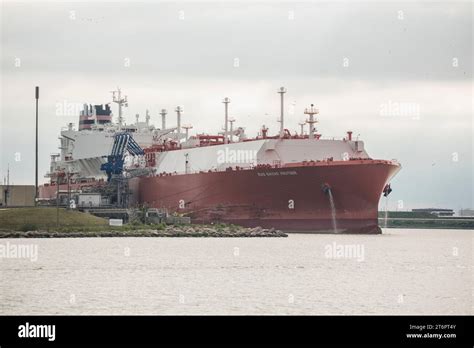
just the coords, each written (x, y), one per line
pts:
(282, 91)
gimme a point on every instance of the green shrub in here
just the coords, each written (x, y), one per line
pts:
(161, 226)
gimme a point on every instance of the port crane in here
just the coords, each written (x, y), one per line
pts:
(114, 167)
(123, 143)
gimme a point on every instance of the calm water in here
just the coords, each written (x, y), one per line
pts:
(400, 272)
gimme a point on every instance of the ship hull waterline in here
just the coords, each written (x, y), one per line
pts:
(289, 198)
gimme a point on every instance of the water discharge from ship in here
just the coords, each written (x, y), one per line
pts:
(327, 190)
(386, 191)
(333, 211)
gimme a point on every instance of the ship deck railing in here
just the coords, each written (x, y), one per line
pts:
(311, 163)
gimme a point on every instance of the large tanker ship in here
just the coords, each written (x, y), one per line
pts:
(296, 182)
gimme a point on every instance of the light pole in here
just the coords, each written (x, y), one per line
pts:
(57, 198)
(36, 147)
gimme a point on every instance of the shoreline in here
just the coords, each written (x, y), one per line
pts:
(433, 223)
(169, 231)
(176, 231)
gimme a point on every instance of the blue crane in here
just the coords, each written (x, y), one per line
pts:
(123, 142)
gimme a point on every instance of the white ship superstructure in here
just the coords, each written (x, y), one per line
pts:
(83, 151)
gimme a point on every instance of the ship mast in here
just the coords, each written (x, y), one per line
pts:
(231, 121)
(179, 110)
(311, 112)
(281, 91)
(163, 118)
(226, 102)
(301, 124)
(122, 102)
(147, 117)
(264, 132)
(187, 127)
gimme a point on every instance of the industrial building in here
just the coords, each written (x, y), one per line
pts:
(435, 211)
(17, 195)
(466, 212)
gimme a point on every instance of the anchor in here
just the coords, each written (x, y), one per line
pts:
(386, 190)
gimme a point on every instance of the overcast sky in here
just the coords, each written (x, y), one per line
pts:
(356, 62)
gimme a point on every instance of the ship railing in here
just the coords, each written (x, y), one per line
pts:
(223, 169)
(274, 165)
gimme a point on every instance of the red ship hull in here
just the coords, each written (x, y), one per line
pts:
(289, 198)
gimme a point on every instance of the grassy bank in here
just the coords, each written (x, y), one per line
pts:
(41, 223)
(42, 218)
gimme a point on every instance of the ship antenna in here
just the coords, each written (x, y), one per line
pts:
(281, 91)
(311, 112)
(163, 118)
